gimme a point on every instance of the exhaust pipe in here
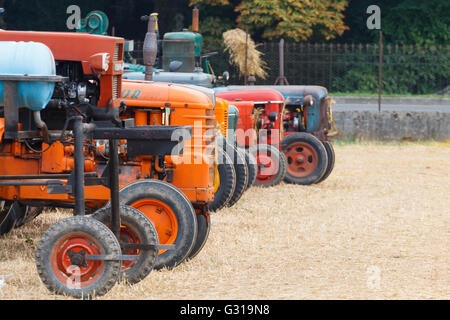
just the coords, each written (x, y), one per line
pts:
(41, 125)
(195, 20)
(150, 49)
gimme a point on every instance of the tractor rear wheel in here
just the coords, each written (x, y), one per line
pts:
(241, 170)
(61, 258)
(271, 165)
(203, 228)
(331, 160)
(306, 157)
(135, 228)
(170, 212)
(225, 182)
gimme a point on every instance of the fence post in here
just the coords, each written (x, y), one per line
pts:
(331, 66)
(281, 79)
(380, 71)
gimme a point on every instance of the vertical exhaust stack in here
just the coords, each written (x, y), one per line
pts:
(150, 49)
(195, 20)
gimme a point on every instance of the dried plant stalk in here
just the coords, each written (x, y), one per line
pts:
(235, 43)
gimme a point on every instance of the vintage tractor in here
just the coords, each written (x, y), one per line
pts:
(155, 103)
(258, 130)
(63, 144)
(306, 124)
(226, 117)
(181, 60)
(199, 190)
(230, 187)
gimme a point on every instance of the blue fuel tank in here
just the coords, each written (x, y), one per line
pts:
(30, 58)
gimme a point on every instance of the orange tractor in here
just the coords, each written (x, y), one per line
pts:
(231, 168)
(61, 121)
(162, 104)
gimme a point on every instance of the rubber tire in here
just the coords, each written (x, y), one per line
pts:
(278, 156)
(7, 219)
(144, 229)
(252, 167)
(31, 213)
(180, 206)
(241, 170)
(203, 229)
(227, 176)
(331, 160)
(9, 216)
(315, 143)
(96, 230)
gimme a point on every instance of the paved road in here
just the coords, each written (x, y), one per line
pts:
(391, 107)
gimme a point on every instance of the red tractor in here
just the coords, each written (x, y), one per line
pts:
(305, 123)
(258, 130)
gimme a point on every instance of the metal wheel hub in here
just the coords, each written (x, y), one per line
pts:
(302, 159)
(77, 258)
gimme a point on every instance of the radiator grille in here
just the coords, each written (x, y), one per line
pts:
(117, 50)
(116, 87)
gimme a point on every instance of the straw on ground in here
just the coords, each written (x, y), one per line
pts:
(377, 228)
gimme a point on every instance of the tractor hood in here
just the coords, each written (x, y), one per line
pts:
(195, 78)
(290, 93)
(164, 95)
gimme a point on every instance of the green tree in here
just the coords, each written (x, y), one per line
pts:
(418, 22)
(291, 19)
(415, 22)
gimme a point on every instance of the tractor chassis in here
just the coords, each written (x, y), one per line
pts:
(77, 180)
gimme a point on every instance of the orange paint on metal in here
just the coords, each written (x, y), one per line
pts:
(140, 118)
(162, 216)
(187, 107)
(221, 113)
(155, 118)
(2, 128)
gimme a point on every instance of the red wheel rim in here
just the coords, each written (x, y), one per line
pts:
(302, 159)
(77, 276)
(162, 217)
(128, 236)
(267, 166)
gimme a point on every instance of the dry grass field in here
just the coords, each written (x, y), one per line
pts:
(377, 228)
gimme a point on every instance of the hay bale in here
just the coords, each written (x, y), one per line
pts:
(235, 42)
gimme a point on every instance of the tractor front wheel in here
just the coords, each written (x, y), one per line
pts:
(306, 157)
(135, 229)
(62, 262)
(224, 182)
(271, 165)
(241, 170)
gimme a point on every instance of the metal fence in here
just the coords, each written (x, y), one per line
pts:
(351, 67)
